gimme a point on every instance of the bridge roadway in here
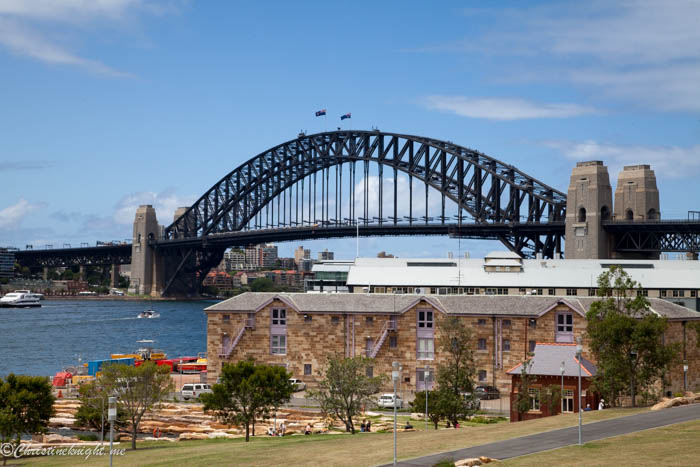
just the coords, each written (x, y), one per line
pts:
(663, 235)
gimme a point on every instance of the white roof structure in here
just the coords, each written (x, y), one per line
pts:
(533, 273)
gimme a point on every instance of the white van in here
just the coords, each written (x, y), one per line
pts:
(194, 390)
(387, 400)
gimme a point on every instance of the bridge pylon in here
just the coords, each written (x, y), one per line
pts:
(146, 263)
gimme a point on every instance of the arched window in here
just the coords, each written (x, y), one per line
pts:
(582, 215)
(604, 213)
(651, 214)
(629, 215)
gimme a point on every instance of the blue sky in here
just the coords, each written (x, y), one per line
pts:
(114, 103)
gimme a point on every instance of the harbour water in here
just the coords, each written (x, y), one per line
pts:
(42, 341)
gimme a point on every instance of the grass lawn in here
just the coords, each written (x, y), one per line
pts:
(341, 449)
(668, 446)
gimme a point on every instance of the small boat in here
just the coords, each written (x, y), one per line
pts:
(20, 299)
(195, 367)
(149, 314)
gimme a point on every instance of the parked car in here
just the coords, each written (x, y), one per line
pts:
(194, 390)
(298, 384)
(387, 400)
(487, 392)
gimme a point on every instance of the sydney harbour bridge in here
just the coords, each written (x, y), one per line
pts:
(368, 183)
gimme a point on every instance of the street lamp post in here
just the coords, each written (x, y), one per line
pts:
(562, 385)
(111, 416)
(579, 351)
(427, 391)
(685, 375)
(395, 372)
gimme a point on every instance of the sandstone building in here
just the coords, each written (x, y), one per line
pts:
(299, 330)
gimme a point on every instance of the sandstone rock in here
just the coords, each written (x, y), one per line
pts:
(54, 438)
(222, 434)
(418, 416)
(468, 462)
(486, 460)
(666, 403)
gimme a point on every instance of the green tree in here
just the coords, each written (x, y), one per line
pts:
(551, 397)
(345, 388)
(26, 404)
(522, 398)
(94, 402)
(626, 337)
(137, 388)
(435, 409)
(247, 390)
(263, 284)
(455, 377)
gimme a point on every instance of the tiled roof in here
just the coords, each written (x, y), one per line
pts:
(548, 358)
(497, 305)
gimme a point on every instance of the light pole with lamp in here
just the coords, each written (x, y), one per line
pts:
(561, 368)
(685, 375)
(111, 416)
(395, 372)
(427, 390)
(579, 351)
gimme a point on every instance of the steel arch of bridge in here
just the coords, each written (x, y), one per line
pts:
(279, 188)
(485, 190)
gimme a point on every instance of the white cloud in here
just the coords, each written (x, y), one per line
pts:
(24, 41)
(504, 109)
(666, 161)
(7, 166)
(11, 217)
(641, 52)
(25, 27)
(164, 202)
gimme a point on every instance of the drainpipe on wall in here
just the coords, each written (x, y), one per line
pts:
(493, 372)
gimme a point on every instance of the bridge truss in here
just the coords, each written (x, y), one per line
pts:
(334, 182)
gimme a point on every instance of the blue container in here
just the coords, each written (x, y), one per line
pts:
(95, 366)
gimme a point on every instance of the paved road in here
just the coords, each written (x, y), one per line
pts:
(566, 436)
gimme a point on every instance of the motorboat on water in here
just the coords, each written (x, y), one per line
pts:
(20, 299)
(149, 314)
(40, 296)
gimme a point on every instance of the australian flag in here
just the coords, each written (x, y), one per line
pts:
(347, 115)
(321, 112)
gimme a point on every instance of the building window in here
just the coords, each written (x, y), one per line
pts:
(424, 378)
(592, 292)
(534, 394)
(307, 369)
(470, 291)
(678, 293)
(506, 345)
(226, 318)
(393, 342)
(481, 345)
(693, 293)
(532, 323)
(481, 322)
(550, 292)
(522, 290)
(278, 344)
(571, 292)
(279, 317)
(425, 319)
(506, 323)
(663, 293)
(567, 401)
(643, 293)
(482, 375)
(565, 327)
(335, 319)
(307, 318)
(369, 320)
(426, 349)
(369, 371)
(539, 291)
(531, 346)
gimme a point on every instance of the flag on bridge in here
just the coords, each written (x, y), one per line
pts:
(347, 115)
(321, 112)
